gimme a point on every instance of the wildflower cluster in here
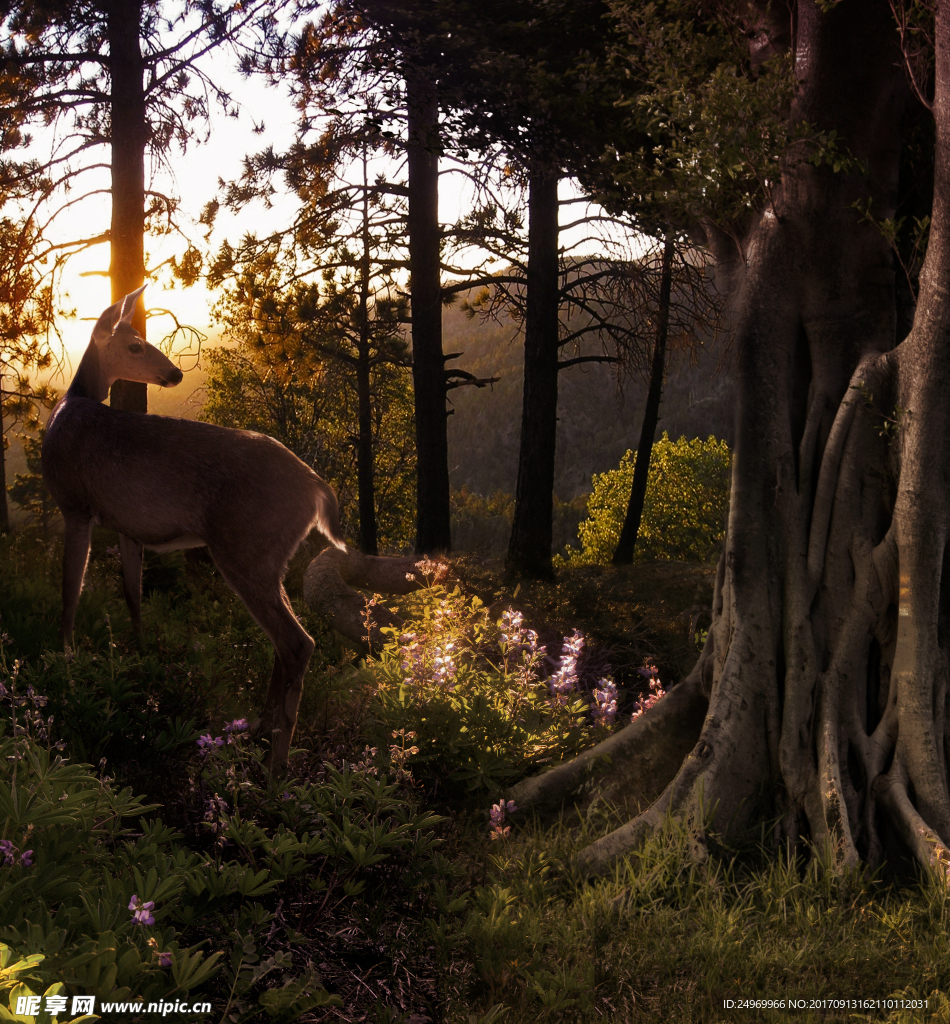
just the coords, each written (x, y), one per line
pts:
(431, 655)
(497, 814)
(564, 680)
(399, 754)
(367, 766)
(444, 666)
(604, 709)
(215, 808)
(25, 710)
(141, 912)
(487, 700)
(10, 855)
(412, 657)
(232, 729)
(651, 672)
(518, 645)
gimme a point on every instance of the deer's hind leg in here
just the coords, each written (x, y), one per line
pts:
(265, 598)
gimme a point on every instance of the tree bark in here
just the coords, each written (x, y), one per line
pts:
(129, 140)
(433, 531)
(4, 506)
(365, 469)
(826, 664)
(623, 555)
(529, 549)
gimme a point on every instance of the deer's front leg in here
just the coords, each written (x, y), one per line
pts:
(132, 578)
(75, 556)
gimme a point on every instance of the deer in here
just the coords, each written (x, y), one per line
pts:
(167, 484)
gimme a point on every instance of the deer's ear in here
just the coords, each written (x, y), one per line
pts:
(112, 316)
(105, 325)
(128, 304)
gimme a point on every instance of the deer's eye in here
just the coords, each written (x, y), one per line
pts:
(135, 347)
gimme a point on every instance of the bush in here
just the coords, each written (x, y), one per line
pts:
(484, 702)
(684, 512)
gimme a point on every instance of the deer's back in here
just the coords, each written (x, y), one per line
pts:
(156, 478)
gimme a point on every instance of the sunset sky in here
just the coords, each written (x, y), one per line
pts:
(194, 178)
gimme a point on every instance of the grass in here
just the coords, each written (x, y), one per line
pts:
(380, 887)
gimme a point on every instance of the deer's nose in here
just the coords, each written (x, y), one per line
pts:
(173, 378)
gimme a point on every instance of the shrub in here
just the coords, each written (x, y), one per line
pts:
(485, 702)
(684, 511)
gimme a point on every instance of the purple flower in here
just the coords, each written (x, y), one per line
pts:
(412, 657)
(514, 637)
(605, 706)
(238, 725)
(497, 814)
(565, 678)
(26, 858)
(164, 959)
(206, 741)
(7, 852)
(444, 666)
(215, 807)
(140, 911)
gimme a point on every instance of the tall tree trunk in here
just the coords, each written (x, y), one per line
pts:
(365, 475)
(433, 531)
(623, 555)
(826, 666)
(129, 139)
(529, 549)
(365, 470)
(4, 506)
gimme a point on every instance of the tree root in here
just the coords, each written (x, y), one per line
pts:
(329, 584)
(632, 767)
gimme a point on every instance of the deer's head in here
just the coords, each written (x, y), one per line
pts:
(124, 354)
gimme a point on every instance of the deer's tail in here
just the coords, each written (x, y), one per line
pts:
(328, 516)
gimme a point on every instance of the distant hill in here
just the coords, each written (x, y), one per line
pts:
(596, 424)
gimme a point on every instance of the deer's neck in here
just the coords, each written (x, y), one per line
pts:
(89, 381)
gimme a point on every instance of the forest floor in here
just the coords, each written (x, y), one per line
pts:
(370, 884)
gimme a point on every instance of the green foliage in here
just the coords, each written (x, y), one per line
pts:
(69, 904)
(29, 490)
(712, 129)
(684, 512)
(291, 375)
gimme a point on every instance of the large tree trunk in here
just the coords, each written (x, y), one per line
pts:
(826, 666)
(529, 549)
(433, 531)
(623, 555)
(129, 139)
